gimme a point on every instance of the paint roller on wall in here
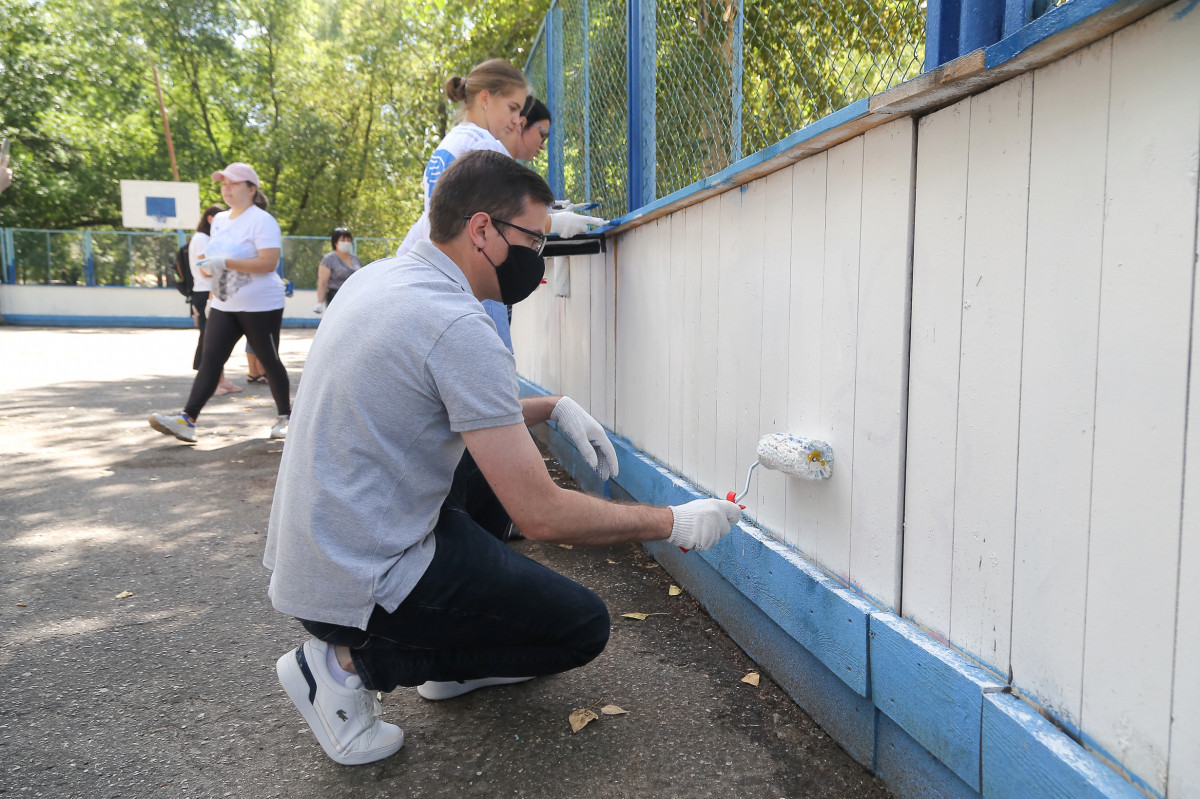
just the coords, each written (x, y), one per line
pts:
(803, 457)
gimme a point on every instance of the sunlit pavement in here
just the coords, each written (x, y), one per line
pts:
(137, 644)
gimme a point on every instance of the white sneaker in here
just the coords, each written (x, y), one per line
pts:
(279, 429)
(345, 719)
(448, 690)
(178, 425)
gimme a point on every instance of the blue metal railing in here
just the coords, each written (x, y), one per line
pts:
(141, 258)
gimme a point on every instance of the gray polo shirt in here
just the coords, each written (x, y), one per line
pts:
(403, 363)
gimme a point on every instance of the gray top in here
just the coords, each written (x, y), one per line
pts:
(402, 363)
(338, 271)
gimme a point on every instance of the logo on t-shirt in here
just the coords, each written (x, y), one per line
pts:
(436, 166)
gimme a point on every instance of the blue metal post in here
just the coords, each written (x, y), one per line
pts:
(11, 244)
(1017, 14)
(981, 24)
(941, 32)
(640, 67)
(735, 134)
(587, 107)
(554, 81)
(89, 263)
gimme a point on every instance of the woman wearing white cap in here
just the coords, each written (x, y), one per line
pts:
(247, 300)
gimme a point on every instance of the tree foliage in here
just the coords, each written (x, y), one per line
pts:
(336, 103)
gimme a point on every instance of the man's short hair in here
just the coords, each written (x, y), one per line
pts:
(482, 180)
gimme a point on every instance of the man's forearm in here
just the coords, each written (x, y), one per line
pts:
(577, 518)
(538, 409)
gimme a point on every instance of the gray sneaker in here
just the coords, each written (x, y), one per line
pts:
(279, 430)
(179, 425)
(345, 718)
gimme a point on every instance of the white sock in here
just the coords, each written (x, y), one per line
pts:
(335, 669)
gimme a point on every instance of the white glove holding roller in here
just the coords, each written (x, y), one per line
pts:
(587, 435)
(212, 267)
(320, 308)
(568, 223)
(701, 523)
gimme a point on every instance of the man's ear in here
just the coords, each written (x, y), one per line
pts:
(477, 229)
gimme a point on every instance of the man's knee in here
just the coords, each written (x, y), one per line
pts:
(592, 633)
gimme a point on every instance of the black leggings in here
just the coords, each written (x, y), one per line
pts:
(199, 301)
(224, 328)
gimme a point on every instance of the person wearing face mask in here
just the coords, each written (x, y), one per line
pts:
(335, 267)
(247, 298)
(526, 141)
(408, 450)
(492, 97)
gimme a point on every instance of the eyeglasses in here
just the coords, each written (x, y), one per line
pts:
(539, 239)
(545, 133)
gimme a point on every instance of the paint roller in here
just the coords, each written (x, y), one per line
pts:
(807, 458)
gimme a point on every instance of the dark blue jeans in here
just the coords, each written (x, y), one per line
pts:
(480, 610)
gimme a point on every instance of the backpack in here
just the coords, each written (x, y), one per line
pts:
(183, 273)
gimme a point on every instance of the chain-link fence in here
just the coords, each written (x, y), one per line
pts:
(133, 258)
(719, 79)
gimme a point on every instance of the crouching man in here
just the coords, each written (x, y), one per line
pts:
(386, 540)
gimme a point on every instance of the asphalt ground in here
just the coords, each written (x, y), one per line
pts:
(137, 644)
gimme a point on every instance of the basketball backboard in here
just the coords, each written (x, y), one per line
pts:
(160, 204)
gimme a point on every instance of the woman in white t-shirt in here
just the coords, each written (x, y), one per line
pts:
(493, 95)
(247, 299)
(201, 284)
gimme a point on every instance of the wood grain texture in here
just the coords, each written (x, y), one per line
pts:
(1058, 376)
(990, 371)
(1141, 388)
(707, 349)
(806, 341)
(745, 291)
(839, 339)
(881, 368)
(939, 230)
(729, 392)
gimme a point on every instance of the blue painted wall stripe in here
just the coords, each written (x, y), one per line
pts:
(1027, 757)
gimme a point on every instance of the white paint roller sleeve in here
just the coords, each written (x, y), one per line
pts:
(804, 457)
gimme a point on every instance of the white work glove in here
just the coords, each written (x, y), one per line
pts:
(567, 223)
(587, 435)
(320, 308)
(701, 523)
(211, 267)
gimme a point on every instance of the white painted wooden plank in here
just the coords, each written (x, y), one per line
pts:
(654, 351)
(746, 301)
(843, 220)
(596, 266)
(1141, 387)
(728, 391)
(881, 372)
(938, 232)
(688, 286)
(776, 327)
(805, 340)
(707, 353)
(678, 381)
(577, 328)
(634, 289)
(1183, 773)
(610, 338)
(1058, 376)
(990, 371)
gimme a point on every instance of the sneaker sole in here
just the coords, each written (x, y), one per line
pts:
(300, 688)
(162, 428)
(438, 691)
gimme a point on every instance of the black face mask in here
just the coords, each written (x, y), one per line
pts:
(518, 274)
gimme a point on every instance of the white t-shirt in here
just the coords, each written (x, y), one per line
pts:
(253, 230)
(200, 281)
(462, 138)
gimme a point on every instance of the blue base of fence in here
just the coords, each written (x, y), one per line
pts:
(926, 719)
(35, 320)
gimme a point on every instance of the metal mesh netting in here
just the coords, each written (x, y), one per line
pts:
(131, 258)
(729, 79)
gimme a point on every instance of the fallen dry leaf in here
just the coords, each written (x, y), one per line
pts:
(638, 616)
(751, 678)
(612, 710)
(580, 718)
(567, 546)
(21, 605)
(124, 595)
(610, 560)
(674, 591)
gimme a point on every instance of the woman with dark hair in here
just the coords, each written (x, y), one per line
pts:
(247, 300)
(526, 141)
(335, 267)
(201, 286)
